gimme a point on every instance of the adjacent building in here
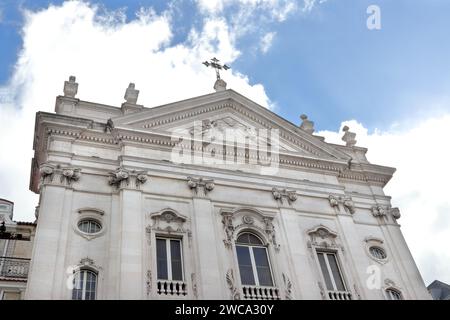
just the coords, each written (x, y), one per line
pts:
(16, 243)
(213, 197)
(439, 290)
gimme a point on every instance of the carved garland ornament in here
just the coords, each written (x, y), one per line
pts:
(231, 285)
(287, 287)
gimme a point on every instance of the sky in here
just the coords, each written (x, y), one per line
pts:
(389, 85)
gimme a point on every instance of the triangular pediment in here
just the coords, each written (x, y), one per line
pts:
(219, 112)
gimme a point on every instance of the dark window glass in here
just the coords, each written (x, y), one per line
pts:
(394, 294)
(245, 265)
(262, 266)
(335, 271)
(85, 285)
(175, 252)
(248, 238)
(161, 259)
(89, 226)
(325, 272)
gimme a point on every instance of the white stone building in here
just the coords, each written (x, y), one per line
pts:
(137, 203)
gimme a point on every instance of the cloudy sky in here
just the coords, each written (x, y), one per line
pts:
(391, 86)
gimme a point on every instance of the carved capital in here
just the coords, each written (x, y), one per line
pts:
(56, 174)
(196, 184)
(122, 178)
(281, 194)
(395, 212)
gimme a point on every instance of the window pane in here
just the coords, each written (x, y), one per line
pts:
(262, 266)
(335, 270)
(175, 252)
(245, 265)
(161, 259)
(248, 238)
(77, 286)
(325, 273)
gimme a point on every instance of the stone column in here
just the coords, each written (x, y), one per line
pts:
(210, 279)
(131, 279)
(131, 274)
(47, 274)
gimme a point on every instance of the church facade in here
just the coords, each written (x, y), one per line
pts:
(214, 197)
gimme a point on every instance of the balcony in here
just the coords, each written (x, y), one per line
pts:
(171, 288)
(339, 295)
(260, 293)
(16, 268)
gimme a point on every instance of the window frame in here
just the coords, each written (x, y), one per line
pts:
(90, 221)
(330, 271)
(388, 292)
(169, 257)
(84, 282)
(252, 259)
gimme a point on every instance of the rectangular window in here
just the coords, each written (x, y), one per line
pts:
(331, 272)
(169, 259)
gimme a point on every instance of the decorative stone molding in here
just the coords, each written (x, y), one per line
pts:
(170, 222)
(280, 194)
(122, 177)
(349, 205)
(227, 221)
(383, 211)
(235, 295)
(148, 282)
(92, 214)
(87, 262)
(371, 241)
(270, 231)
(346, 201)
(194, 285)
(395, 212)
(251, 219)
(334, 202)
(109, 126)
(167, 220)
(248, 220)
(323, 237)
(322, 290)
(390, 284)
(67, 175)
(287, 287)
(195, 184)
(307, 125)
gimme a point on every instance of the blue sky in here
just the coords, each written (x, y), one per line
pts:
(324, 63)
(391, 86)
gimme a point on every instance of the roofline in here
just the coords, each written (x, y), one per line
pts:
(1, 199)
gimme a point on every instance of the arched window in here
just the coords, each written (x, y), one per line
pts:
(254, 266)
(393, 294)
(84, 285)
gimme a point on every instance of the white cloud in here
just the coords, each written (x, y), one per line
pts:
(419, 186)
(105, 53)
(266, 41)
